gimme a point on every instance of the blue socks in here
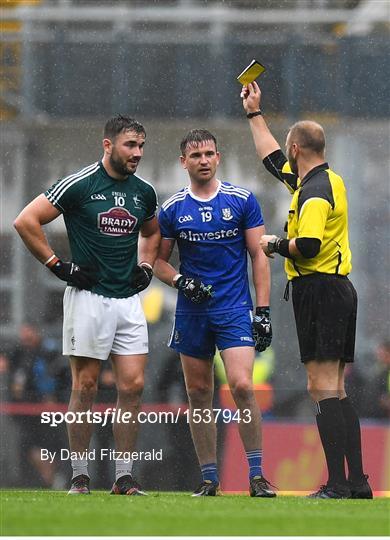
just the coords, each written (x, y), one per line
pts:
(209, 472)
(254, 458)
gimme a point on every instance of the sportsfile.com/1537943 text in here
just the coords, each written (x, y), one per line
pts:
(113, 415)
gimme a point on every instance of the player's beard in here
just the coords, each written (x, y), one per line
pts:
(121, 166)
(293, 164)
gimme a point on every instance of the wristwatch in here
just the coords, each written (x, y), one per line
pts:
(252, 114)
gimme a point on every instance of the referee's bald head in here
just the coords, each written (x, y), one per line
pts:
(308, 135)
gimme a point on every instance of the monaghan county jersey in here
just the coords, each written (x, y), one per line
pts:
(210, 234)
(103, 217)
(319, 209)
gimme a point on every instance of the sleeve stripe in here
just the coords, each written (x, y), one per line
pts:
(178, 194)
(69, 178)
(176, 198)
(234, 194)
(236, 188)
(47, 195)
(63, 185)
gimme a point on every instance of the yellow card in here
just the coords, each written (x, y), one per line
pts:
(251, 73)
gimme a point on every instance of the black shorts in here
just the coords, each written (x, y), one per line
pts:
(325, 308)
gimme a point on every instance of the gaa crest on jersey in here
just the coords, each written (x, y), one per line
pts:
(227, 214)
(116, 222)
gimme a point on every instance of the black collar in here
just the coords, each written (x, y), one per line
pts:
(312, 172)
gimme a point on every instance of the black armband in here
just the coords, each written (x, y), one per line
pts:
(308, 247)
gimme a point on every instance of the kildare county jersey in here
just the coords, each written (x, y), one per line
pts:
(210, 234)
(103, 217)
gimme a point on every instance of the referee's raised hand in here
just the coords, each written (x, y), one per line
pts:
(251, 97)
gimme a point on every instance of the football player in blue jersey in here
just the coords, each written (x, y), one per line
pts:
(215, 224)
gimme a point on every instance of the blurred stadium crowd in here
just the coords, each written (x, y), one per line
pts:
(34, 372)
(67, 65)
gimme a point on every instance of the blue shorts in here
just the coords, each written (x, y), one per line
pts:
(197, 334)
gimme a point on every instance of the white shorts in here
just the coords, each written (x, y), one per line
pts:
(96, 326)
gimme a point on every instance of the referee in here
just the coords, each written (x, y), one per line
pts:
(317, 262)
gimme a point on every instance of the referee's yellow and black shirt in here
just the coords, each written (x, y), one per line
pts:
(319, 209)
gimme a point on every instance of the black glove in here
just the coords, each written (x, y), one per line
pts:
(81, 277)
(193, 289)
(142, 276)
(262, 329)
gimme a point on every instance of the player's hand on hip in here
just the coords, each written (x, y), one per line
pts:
(261, 328)
(82, 277)
(194, 289)
(142, 276)
(251, 97)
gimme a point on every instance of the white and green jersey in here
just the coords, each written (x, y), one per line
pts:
(103, 217)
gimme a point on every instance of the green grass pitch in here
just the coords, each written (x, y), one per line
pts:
(43, 513)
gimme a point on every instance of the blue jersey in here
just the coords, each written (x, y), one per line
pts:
(210, 234)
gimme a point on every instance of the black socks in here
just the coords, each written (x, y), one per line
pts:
(333, 434)
(353, 448)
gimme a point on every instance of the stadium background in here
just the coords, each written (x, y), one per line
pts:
(68, 65)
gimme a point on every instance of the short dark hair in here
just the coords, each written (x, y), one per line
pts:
(194, 137)
(308, 135)
(119, 123)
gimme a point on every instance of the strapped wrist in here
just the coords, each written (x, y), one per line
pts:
(146, 265)
(263, 311)
(51, 261)
(175, 280)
